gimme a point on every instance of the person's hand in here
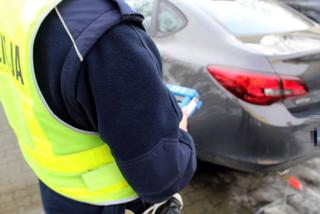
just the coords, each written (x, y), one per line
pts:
(184, 122)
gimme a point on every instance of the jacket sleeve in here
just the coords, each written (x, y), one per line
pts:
(136, 115)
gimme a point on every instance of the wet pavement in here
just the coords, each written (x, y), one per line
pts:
(214, 189)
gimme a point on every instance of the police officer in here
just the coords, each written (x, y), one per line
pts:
(80, 82)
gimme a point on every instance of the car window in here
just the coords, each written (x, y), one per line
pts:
(170, 19)
(144, 7)
(254, 17)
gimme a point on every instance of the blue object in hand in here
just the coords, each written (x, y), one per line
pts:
(187, 98)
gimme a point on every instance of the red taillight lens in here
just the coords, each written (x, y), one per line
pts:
(261, 89)
(292, 87)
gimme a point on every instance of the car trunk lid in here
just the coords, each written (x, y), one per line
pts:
(295, 54)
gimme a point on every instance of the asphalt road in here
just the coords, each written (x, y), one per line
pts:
(214, 189)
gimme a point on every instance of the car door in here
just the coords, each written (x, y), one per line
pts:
(163, 20)
(169, 21)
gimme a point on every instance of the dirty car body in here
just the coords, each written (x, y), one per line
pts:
(256, 66)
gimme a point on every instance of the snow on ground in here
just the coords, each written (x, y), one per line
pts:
(220, 190)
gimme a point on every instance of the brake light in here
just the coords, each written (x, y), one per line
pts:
(293, 87)
(260, 89)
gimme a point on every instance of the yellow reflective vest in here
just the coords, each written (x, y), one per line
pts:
(74, 163)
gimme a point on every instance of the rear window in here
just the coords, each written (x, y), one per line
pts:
(254, 17)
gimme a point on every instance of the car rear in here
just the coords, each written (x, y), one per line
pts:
(265, 115)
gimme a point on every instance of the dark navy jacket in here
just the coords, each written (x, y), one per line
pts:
(116, 91)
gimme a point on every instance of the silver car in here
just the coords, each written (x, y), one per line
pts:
(256, 65)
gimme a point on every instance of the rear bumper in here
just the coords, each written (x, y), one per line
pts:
(253, 165)
(252, 138)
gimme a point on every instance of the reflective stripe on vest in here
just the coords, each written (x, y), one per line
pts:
(74, 163)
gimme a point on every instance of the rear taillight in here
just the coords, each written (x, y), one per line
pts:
(292, 86)
(257, 88)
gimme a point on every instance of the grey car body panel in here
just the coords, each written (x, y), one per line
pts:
(216, 46)
(227, 130)
(307, 68)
